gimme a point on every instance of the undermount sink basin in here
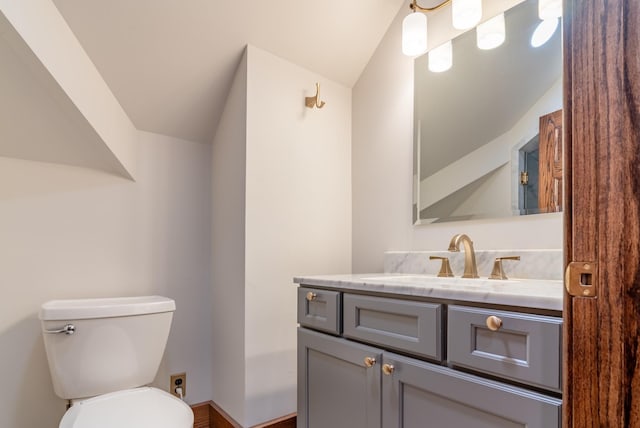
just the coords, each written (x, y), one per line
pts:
(426, 280)
(399, 277)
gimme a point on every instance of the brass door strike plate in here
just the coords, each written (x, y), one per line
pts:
(580, 279)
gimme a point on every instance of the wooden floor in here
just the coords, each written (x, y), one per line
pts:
(209, 415)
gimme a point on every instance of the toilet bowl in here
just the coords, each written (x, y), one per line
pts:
(138, 407)
(103, 353)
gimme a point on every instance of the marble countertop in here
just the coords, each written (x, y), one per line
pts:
(527, 293)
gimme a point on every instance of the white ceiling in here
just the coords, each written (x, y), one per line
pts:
(170, 62)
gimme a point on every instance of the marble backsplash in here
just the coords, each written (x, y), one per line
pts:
(533, 264)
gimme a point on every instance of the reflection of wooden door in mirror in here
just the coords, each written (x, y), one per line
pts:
(550, 163)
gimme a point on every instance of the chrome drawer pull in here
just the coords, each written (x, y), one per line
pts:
(67, 329)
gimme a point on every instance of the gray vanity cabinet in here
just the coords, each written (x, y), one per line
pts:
(405, 379)
(418, 394)
(336, 388)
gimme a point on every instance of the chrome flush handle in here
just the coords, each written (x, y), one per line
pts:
(68, 329)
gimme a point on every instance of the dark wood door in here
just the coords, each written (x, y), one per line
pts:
(602, 211)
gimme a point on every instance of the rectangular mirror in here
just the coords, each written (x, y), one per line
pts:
(488, 131)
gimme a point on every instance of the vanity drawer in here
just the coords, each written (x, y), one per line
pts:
(319, 309)
(403, 325)
(525, 348)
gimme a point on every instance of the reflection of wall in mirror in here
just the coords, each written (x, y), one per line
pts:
(487, 196)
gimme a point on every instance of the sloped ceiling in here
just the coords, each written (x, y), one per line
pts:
(170, 62)
(55, 107)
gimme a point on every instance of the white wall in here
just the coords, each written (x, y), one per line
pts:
(68, 232)
(382, 172)
(296, 216)
(228, 249)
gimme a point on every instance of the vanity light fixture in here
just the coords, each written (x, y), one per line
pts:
(491, 34)
(549, 9)
(414, 34)
(543, 32)
(465, 14)
(441, 58)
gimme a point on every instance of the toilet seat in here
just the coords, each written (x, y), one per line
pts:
(136, 408)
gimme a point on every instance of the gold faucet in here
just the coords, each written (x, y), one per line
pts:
(470, 267)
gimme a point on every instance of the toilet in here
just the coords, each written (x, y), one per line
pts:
(102, 353)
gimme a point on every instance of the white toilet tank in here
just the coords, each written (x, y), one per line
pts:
(116, 343)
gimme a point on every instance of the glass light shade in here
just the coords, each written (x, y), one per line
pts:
(549, 9)
(466, 13)
(543, 32)
(414, 34)
(491, 34)
(441, 58)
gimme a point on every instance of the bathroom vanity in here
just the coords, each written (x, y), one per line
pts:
(403, 350)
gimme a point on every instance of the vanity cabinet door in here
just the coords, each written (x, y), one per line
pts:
(417, 394)
(336, 388)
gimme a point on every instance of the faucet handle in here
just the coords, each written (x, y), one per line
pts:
(498, 271)
(445, 267)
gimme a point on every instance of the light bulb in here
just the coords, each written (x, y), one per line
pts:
(549, 9)
(491, 34)
(466, 13)
(543, 32)
(414, 34)
(441, 58)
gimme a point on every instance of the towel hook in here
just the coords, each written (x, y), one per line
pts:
(314, 101)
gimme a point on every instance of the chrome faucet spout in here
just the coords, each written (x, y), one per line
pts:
(470, 266)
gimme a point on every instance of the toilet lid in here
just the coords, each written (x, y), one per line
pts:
(140, 408)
